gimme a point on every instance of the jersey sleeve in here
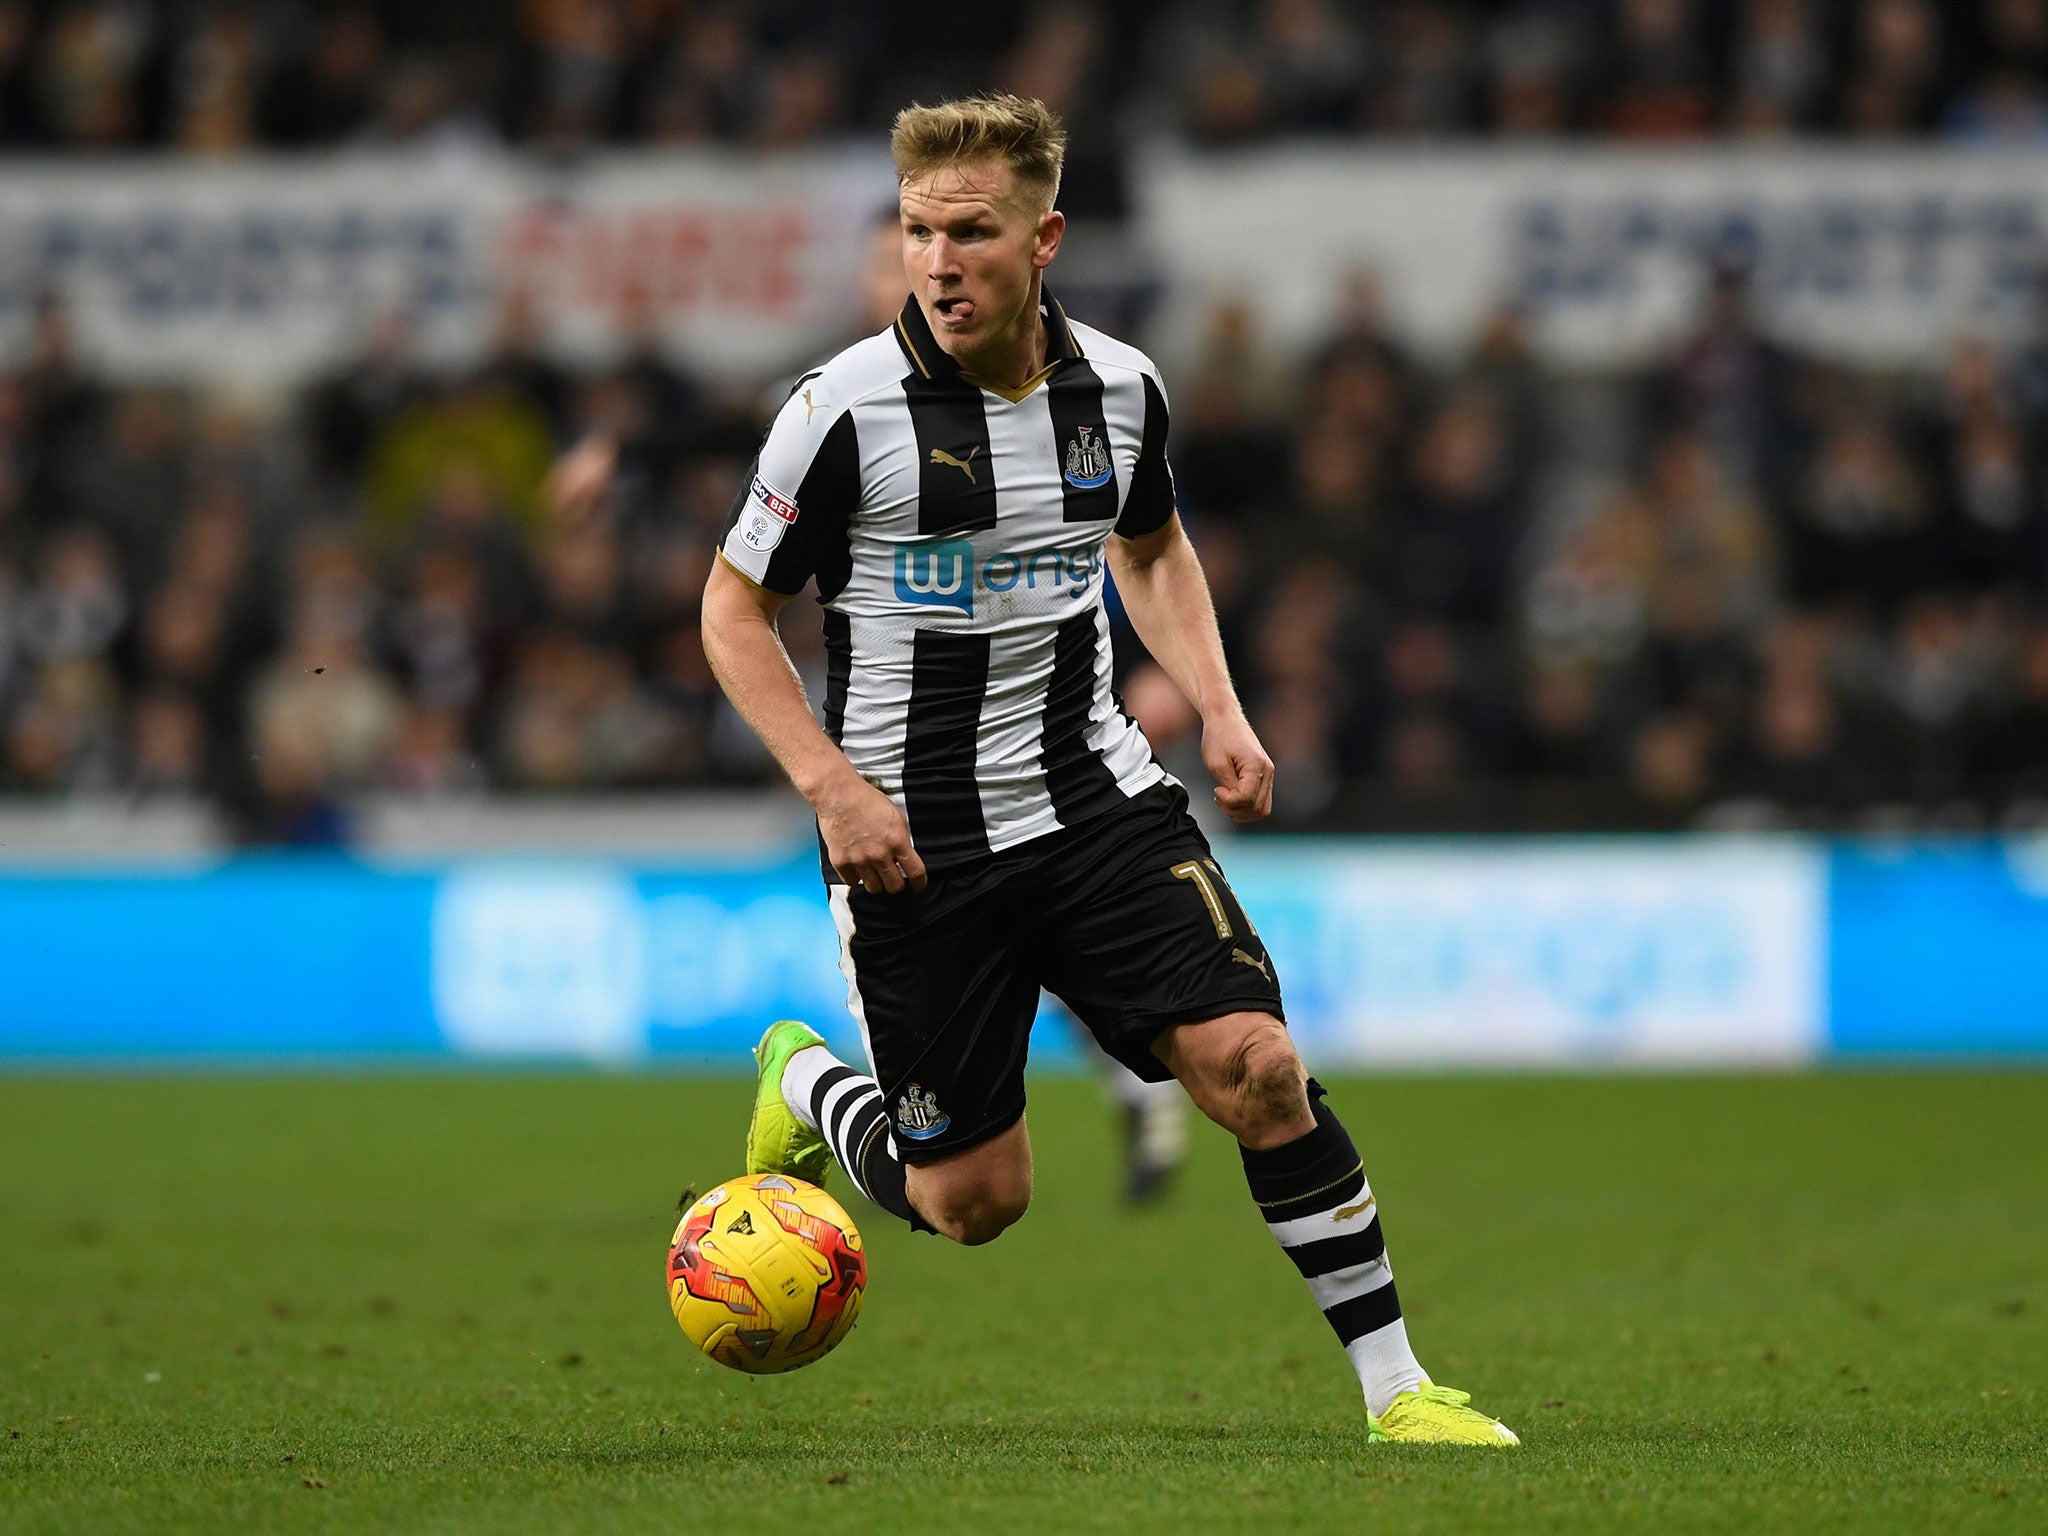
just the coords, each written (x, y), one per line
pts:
(1150, 502)
(789, 522)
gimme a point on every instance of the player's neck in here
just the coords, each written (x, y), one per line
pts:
(1017, 356)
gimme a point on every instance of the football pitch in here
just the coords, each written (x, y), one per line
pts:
(1804, 1303)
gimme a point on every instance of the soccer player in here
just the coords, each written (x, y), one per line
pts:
(991, 821)
(1152, 1115)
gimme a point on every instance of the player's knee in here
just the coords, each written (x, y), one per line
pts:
(987, 1223)
(981, 1214)
(972, 1206)
(1266, 1080)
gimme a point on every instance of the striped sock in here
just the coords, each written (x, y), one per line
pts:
(829, 1096)
(1313, 1195)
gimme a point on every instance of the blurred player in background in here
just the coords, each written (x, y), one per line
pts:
(991, 821)
(584, 478)
(1155, 1114)
(1152, 1116)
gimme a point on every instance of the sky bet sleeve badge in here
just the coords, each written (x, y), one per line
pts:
(768, 516)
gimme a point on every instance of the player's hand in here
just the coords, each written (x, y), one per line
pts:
(867, 839)
(1244, 774)
(583, 477)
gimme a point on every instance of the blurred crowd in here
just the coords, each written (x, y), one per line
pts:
(219, 76)
(1761, 590)
(368, 589)
(1789, 594)
(1784, 594)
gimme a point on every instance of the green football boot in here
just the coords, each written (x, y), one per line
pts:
(778, 1142)
(1433, 1415)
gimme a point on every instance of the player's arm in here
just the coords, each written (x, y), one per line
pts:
(1159, 577)
(793, 515)
(866, 837)
(1166, 595)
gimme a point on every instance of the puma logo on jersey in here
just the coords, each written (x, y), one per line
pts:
(811, 407)
(1258, 965)
(1350, 1211)
(965, 466)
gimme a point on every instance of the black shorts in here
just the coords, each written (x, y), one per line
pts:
(1126, 919)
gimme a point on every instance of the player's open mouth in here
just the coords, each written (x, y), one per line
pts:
(958, 310)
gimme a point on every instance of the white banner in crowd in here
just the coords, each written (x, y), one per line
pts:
(745, 264)
(267, 271)
(1871, 255)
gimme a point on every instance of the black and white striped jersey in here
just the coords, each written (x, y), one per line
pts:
(957, 532)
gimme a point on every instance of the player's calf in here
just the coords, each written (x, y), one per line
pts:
(1309, 1183)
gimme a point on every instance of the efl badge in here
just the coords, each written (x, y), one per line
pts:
(767, 517)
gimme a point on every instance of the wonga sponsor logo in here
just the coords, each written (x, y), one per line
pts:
(945, 575)
(941, 575)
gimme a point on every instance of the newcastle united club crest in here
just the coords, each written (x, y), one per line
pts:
(1088, 459)
(917, 1114)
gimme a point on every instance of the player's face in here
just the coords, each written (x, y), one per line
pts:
(971, 249)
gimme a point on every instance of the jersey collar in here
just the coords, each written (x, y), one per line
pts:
(921, 349)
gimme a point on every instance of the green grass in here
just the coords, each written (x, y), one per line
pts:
(1807, 1304)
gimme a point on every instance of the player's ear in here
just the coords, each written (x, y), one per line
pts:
(1052, 224)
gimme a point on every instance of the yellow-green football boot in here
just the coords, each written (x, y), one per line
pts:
(1433, 1415)
(778, 1142)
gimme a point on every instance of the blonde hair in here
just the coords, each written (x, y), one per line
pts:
(1024, 134)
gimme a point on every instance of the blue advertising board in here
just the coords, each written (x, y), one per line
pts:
(1549, 952)
(1938, 948)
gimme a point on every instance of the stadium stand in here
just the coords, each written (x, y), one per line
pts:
(215, 78)
(1767, 591)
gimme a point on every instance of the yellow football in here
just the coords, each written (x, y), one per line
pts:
(765, 1273)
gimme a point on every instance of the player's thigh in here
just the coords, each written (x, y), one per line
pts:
(1143, 932)
(941, 985)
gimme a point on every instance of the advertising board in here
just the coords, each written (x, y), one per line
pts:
(1553, 953)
